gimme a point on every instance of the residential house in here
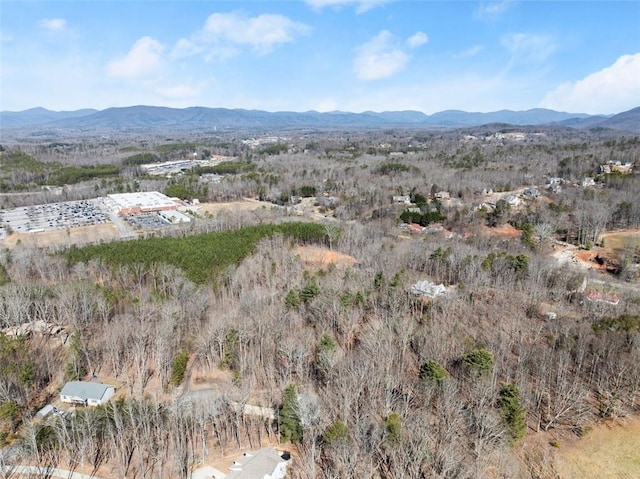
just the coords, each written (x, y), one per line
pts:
(428, 289)
(442, 195)
(86, 393)
(484, 205)
(405, 199)
(588, 181)
(415, 228)
(266, 463)
(554, 180)
(513, 200)
(617, 167)
(597, 296)
(531, 193)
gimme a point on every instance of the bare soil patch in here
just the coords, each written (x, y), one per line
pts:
(596, 258)
(319, 257)
(602, 259)
(74, 236)
(504, 231)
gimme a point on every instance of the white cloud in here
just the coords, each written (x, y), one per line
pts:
(186, 48)
(528, 47)
(53, 24)
(417, 40)
(361, 5)
(326, 104)
(468, 53)
(225, 33)
(384, 55)
(488, 10)
(180, 92)
(613, 89)
(144, 57)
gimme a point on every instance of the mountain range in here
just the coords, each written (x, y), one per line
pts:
(150, 118)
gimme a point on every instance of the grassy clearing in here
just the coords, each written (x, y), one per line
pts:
(608, 451)
(629, 240)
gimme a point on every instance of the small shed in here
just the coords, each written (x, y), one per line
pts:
(45, 411)
(86, 393)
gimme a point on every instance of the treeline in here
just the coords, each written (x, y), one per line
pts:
(21, 171)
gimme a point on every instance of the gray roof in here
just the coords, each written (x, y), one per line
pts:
(254, 465)
(84, 390)
(45, 411)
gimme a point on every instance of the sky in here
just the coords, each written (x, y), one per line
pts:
(324, 55)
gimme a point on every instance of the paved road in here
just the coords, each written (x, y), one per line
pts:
(125, 232)
(15, 471)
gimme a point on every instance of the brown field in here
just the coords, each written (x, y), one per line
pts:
(620, 241)
(608, 451)
(244, 205)
(74, 236)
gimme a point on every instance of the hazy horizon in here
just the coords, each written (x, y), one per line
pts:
(309, 111)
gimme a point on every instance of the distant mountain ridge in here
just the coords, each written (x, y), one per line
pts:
(203, 118)
(38, 116)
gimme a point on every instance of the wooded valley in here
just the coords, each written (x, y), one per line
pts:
(226, 334)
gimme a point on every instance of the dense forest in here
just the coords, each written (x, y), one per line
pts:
(366, 378)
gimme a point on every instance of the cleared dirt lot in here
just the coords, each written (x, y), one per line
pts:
(319, 257)
(244, 205)
(598, 258)
(58, 238)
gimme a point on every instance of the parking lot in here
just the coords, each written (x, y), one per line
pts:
(52, 216)
(145, 222)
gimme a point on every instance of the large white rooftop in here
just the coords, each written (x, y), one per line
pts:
(148, 200)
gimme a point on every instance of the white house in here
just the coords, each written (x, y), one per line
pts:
(405, 199)
(513, 200)
(266, 463)
(428, 289)
(86, 393)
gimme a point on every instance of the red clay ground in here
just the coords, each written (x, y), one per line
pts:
(320, 257)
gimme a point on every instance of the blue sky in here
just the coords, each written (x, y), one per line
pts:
(350, 55)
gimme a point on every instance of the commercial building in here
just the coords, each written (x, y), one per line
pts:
(142, 202)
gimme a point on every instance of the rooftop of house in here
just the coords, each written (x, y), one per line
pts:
(84, 390)
(256, 464)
